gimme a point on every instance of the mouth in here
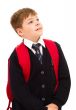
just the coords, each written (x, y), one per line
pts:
(38, 29)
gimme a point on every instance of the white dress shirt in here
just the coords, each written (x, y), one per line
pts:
(29, 43)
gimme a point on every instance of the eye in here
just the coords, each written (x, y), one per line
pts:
(30, 22)
(37, 19)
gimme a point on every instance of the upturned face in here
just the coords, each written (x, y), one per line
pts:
(31, 28)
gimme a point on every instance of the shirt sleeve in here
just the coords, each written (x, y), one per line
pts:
(63, 89)
(19, 87)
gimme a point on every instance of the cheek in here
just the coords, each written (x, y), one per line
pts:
(30, 32)
(27, 31)
(41, 25)
(30, 29)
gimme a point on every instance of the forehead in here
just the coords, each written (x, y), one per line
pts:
(30, 17)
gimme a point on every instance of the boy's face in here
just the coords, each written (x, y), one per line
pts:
(31, 28)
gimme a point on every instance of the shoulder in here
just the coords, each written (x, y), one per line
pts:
(13, 55)
(15, 49)
(19, 49)
(53, 43)
(48, 41)
(57, 44)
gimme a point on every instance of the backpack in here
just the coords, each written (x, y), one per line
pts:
(24, 61)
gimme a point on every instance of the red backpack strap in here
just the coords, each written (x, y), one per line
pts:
(9, 108)
(24, 60)
(52, 48)
(8, 89)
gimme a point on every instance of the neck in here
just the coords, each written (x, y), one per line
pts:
(36, 40)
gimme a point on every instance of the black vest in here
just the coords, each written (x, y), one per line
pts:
(42, 77)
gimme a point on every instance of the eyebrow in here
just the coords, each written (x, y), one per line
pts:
(31, 18)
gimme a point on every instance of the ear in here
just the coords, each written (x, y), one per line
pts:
(19, 32)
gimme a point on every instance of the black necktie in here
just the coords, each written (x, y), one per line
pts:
(36, 47)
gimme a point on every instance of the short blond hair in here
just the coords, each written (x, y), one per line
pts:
(18, 17)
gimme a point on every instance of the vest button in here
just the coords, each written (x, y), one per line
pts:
(43, 98)
(42, 72)
(43, 85)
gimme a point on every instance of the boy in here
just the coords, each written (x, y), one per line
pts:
(39, 92)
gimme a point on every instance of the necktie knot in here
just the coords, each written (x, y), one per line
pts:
(36, 47)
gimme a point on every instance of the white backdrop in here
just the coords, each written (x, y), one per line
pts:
(59, 20)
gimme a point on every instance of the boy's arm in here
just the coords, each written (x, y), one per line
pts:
(19, 87)
(62, 92)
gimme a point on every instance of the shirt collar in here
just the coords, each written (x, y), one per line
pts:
(29, 43)
(41, 42)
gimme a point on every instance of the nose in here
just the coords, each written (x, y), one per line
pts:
(37, 23)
